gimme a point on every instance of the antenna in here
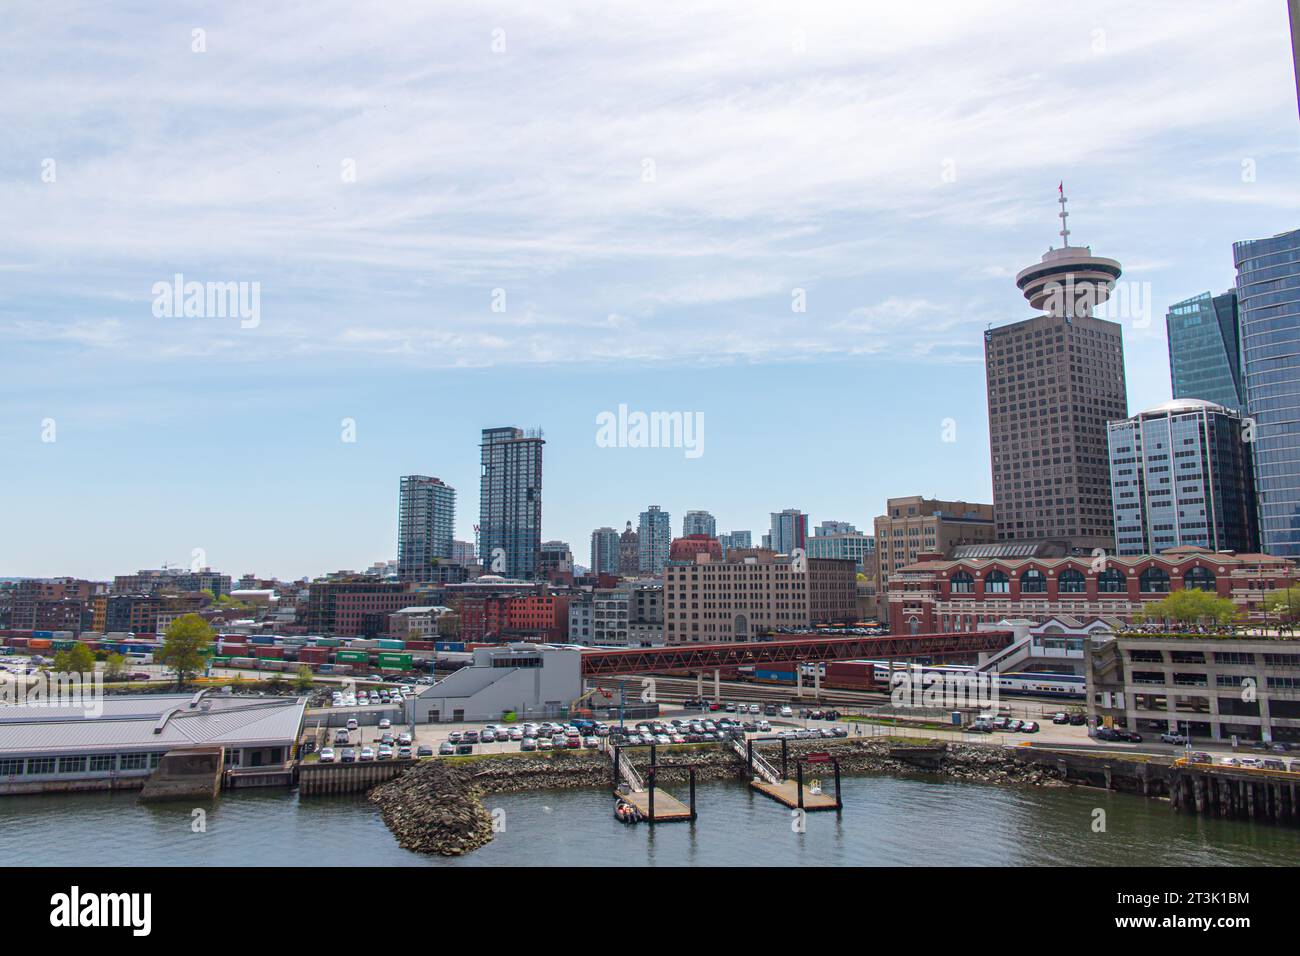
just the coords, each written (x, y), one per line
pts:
(1064, 214)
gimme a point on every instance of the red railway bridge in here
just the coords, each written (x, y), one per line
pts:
(702, 657)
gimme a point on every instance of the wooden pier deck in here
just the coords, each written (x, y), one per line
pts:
(667, 807)
(787, 792)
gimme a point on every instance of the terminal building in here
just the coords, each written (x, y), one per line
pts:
(117, 742)
(528, 680)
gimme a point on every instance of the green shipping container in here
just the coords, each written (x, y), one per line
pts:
(62, 645)
(393, 661)
(352, 657)
(329, 642)
(391, 645)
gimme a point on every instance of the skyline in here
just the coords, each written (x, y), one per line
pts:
(807, 171)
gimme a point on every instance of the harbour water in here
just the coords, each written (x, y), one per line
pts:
(886, 821)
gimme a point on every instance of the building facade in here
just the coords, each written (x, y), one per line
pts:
(736, 539)
(914, 525)
(654, 538)
(354, 606)
(789, 531)
(1268, 293)
(751, 593)
(1205, 350)
(426, 522)
(940, 596)
(1182, 475)
(510, 502)
(699, 522)
(839, 539)
(604, 551)
(629, 551)
(1205, 687)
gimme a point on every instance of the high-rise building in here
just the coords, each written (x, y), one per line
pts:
(629, 551)
(736, 539)
(1181, 475)
(915, 525)
(462, 552)
(556, 560)
(1053, 383)
(1268, 294)
(699, 522)
(839, 539)
(654, 538)
(604, 551)
(510, 502)
(1204, 351)
(789, 531)
(426, 521)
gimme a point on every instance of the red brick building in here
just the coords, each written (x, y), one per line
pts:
(530, 617)
(685, 549)
(934, 595)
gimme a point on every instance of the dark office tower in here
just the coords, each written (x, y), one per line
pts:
(510, 502)
(1053, 384)
(1204, 352)
(426, 518)
(1268, 294)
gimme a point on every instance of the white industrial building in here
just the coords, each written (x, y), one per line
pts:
(529, 680)
(122, 739)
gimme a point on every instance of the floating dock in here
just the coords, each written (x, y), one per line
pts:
(787, 792)
(668, 808)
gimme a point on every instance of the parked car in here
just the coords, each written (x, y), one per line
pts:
(404, 740)
(341, 736)
(367, 754)
(1029, 727)
(352, 723)
(348, 755)
(424, 751)
(1060, 717)
(528, 744)
(326, 755)
(385, 752)
(385, 724)
(1078, 720)
(1176, 739)
(1131, 736)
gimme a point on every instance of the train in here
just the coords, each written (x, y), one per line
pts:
(874, 676)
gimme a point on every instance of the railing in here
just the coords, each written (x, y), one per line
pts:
(761, 766)
(629, 774)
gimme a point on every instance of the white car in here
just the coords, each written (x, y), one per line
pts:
(787, 712)
(327, 755)
(385, 724)
(352, 723)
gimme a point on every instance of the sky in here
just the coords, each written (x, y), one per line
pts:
(790, 222)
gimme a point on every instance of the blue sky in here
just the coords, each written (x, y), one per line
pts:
(649, 187)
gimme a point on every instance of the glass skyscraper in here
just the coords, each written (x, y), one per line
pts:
(654, 537)
(510, 502)
(1181, 475)
(1204, 352)
(1268, 296)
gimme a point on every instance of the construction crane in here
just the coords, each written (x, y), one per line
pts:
(577, 710)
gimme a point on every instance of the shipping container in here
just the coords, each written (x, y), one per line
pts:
(421, 645)
(457, 646)
(352, 657)
(391, 660)
(265, 639)
(268, 652)
(327, 642)
(39, 644)
(389, 644)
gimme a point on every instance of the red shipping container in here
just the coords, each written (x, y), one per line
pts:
(270, 652)
(421, 645)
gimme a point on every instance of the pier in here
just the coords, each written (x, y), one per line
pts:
(653, 803)
(793, 793)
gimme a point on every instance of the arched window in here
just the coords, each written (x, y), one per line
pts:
(1033, 582)
(1200, 578)
(1111, 581)
(1071, 581)
(963, 583)
(1154, 581)
(997, 583)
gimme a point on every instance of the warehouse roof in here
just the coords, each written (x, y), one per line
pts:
(157, 723)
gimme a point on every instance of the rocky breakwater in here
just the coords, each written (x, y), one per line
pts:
(433, 808)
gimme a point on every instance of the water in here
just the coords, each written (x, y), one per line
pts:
(886, 821)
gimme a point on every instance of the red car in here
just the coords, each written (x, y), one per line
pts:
(573, 743)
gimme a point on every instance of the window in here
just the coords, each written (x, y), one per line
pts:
(1154, 581)
(1033, 582)
(135, 761)
(103, 762)
(40, 765)
(11, 766)
(997, 583)
(962, 583)
(1202, 579)
(72, 765)
(1071, 582)
(1112, 581)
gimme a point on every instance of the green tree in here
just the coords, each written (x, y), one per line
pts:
(1285, 606)
(1191, 606)
(77, 660)
(186, 639)
(304, 678)
(114, 667)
